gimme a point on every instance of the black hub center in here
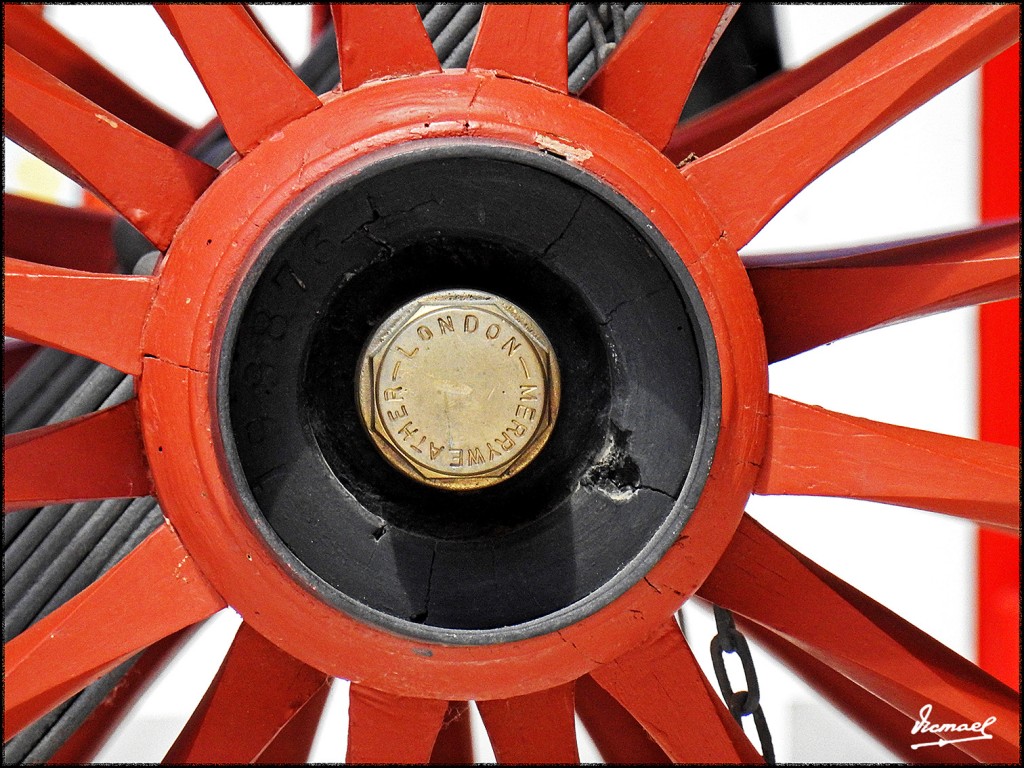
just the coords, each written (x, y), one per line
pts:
(627, 458)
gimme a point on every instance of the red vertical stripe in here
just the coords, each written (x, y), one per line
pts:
(320, 18)
(999, 367)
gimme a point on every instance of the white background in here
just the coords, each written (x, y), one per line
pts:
(920, 177)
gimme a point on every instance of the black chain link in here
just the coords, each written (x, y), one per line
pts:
(740, 703)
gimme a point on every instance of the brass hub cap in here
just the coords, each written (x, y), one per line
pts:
(459, 389)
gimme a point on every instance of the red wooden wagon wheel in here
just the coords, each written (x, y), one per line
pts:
(555, 589)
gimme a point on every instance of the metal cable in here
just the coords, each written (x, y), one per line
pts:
(48, 527)
(437, 16)
(104, 552)
(579, 35)
(16, 750)
(47, 548)
(38, 742)
(51, 394)
(619, 23)
(583, 57)
(597, 34)
(150, 521)
(460, 56)
(39, 521)
(22, 389)
(456, 30)
(123, 392)
(66, 719)
(99, 383)
(89, 528)
(14, 522)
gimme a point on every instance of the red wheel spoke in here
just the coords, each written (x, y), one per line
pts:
(890, 726)
(535, 728)
(528, 41)
(718, 125)
(807, 300)
(662, 686)
(815, 452)
(97, 456)
(91, 735)
(257, 690)
(94, 315)
(44, 233)
(454, 744)
(147, 182)
(751, 178)
(252, 88)
(154, 591)
(28, 34)
(763, 579)
(293, 742)
(376, 41)
(643, 87)
(617, 734)
(384, 728)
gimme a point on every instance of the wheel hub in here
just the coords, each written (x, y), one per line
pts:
(337, 296)
(317, 238)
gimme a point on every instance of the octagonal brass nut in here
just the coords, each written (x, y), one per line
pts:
(459, 389)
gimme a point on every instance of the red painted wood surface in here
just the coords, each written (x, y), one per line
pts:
(724, 122)
(768, 582)
(888, 725)
(44, 233)
(256, 692)
(294, 742)
(376, 41)
(87, 740)
(749, 180)
(641, 85)
(147, 182)
(96, 456)
(535, 728)
(662, 686)
(253, 89)
(810, 299)
(99, 316)
(999, 368)
(617, 735)
(154, 591)
(454, 745)
(384, 728)
(26, 32)
(815, 452)
(524, 41)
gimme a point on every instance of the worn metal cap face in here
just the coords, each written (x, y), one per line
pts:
(458, 389)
